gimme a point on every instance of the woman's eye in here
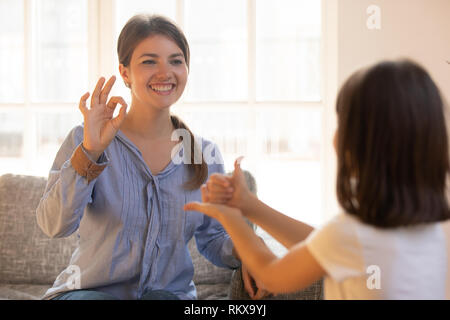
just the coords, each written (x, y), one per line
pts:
(149, 62)
(176, 62)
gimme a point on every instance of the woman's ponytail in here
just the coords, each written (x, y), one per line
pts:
(199, 172)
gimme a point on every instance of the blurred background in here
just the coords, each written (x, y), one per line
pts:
(255, 83)
(263, 78)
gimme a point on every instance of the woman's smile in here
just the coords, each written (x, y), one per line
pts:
(163, 89)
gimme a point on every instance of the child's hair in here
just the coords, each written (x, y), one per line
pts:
(392, 146)
(138, 28)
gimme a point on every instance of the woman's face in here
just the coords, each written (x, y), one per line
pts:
(157, 73)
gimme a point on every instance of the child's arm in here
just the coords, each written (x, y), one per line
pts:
(233, 191)
(284, 229)
(294, 271)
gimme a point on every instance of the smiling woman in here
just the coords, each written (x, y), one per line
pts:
(139, 247)
(153, 55)
(158, 64)
(249, 55)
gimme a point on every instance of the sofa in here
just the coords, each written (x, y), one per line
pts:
(30, 261)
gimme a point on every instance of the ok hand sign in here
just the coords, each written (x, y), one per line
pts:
(100, 127)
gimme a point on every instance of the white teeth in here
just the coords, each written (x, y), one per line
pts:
(161, 88)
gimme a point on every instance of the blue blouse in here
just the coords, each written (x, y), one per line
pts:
(131, 228)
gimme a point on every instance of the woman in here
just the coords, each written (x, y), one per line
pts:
(114, 181)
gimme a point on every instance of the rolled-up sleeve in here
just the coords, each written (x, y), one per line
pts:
(69, 187)
(215, 244)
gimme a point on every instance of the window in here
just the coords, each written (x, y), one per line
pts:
(255, 84)
(44, 53)
(59, 50)
(11, 86)
(288, 50)
(12, 51)
(217, 35)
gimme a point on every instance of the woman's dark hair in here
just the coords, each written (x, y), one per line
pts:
(138, 28)
(142, 26)
(392, 146)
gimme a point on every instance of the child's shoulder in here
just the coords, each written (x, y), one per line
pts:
(343, 218)
(341, 226)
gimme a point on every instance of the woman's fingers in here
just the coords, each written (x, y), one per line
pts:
(106, 90)
(217, 198)
(238, 174)
(214, 187)
(82, 105)
(96, 93)
(219, 189)
(204, 191)
(112, 103)
(117, 121)
(220, 179)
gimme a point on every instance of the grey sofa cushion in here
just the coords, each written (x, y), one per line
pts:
(27, 255)
(218, 291)
(204, 271)
(22, 291)
(30, 261)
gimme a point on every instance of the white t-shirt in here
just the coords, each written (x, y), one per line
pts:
(366, 262)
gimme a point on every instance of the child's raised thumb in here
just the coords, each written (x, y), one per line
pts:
(237, 165)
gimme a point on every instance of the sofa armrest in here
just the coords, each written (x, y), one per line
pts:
(238, 292)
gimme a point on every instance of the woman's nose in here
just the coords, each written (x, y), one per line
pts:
(163, 71)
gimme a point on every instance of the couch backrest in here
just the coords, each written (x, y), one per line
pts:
(27, 255)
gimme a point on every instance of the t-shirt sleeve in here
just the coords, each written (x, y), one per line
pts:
(337, 249)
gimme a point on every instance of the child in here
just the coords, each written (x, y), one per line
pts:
(114, 180)
(392, 153)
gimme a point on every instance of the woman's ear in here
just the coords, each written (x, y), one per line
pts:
(124, 72)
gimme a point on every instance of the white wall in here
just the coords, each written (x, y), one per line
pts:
(419, 29)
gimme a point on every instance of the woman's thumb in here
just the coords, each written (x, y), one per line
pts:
(237, 168)
(204, 192)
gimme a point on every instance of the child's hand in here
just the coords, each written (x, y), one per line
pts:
(216, 211)
(253, 287)
(232, 191)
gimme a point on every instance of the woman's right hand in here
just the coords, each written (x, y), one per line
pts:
(100, 127)
(229, 190)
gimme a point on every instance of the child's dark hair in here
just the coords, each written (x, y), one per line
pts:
(392, 146)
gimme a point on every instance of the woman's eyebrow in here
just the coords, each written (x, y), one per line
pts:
(154, 55)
